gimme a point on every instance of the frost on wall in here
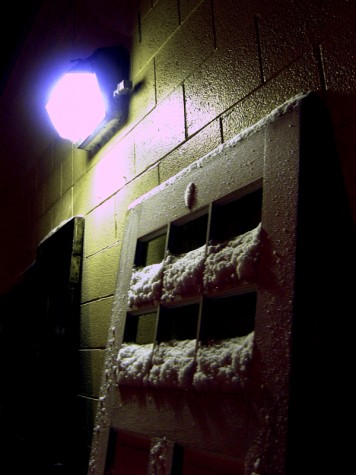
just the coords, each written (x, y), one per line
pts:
(183, 274)
(233, 261)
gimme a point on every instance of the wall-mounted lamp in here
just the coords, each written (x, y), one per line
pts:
(90, 102)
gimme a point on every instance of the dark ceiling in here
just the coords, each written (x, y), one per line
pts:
(17, 21)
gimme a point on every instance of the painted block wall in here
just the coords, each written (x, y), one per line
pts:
(209, 70)
(202, 72)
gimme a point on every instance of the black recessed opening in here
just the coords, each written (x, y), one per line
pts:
(178, 323)
(140, 329)
(177, 459)
(150, 251)
(188, 236)
(228, 317)
(231, 219)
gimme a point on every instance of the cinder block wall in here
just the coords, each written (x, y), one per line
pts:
(206, 69)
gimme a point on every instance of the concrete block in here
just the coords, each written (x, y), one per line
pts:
(91, 364)
(187, 48)
(161, 131)
(100, 274)
(300, 77)
(100, 229)
(95, 320)
(197, 146)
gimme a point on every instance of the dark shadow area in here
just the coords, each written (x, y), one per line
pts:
(322, 344)
(246, 211)
(39, 342)
(111, 66)
(236, 317)
(178, 323)
(19, 21)
(187, 236)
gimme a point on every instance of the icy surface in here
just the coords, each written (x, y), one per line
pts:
(233, 261)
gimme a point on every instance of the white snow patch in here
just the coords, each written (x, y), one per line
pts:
(173, 364)
(145, 286)
(158, 457)
(133, 364)
(232, 261)
(189, 195)
(183, 274)
(190, 273)
(256, 466)
(223, 365)
(219, 366)
(168, 364)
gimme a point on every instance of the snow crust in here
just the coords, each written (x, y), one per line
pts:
(223, 365)
(145, 286)
(134, 363)
(220, 366)
(158, 457)
(173, 364)
(206, 268)
(183, 275)
(234, 260)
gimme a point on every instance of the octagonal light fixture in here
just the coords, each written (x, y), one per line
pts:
(91, 99)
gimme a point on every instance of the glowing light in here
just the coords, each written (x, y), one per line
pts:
(76, 106)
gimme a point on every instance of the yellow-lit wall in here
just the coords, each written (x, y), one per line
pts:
(207, 70)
